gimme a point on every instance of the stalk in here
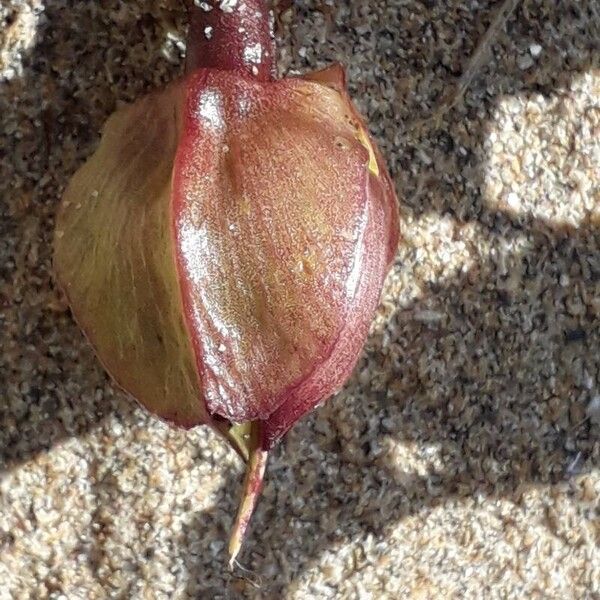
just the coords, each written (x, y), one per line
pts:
(233, 35)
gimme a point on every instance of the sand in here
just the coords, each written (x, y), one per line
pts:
(462, 459)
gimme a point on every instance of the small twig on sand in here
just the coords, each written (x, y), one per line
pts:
(574, 468)
(475, 62)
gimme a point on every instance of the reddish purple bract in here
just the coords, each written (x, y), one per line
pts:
(225, 248)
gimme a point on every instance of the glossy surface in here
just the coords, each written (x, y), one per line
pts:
(283, 236)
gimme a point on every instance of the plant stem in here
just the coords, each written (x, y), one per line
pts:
(231, 35)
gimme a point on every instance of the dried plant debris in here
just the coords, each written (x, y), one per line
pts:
(462, 459)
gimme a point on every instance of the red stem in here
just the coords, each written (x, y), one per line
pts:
(231, 35)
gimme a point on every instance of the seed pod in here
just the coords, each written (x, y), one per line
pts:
(225, 247)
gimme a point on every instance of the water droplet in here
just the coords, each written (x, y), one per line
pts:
(342, 143)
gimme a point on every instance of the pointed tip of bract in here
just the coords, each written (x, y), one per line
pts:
(255, 472)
